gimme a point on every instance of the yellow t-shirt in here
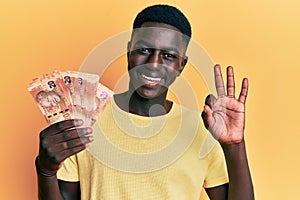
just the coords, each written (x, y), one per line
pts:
(136, 157)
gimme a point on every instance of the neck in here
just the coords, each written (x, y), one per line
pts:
(132, 102)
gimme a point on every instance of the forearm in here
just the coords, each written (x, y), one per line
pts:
(48, 188)
(240, 183)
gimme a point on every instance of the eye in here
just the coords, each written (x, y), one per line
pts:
(169, 56)
(144, 51)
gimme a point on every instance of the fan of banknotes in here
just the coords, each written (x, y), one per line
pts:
(69, 95)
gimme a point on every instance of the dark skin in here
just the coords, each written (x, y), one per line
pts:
(155, 58)
(58, 142)
(161, 59)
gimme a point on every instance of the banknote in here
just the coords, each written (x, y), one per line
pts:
(85, 91)
(70, 95)
(50, 93)
(103, 96)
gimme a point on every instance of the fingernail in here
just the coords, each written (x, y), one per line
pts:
(89, 130)
(78, 122)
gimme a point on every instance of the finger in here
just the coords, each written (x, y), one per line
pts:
(219, 81)
(207, 116)
(204, 118)
(61, 153)
(70, 152)
(55, 152)
(244, 91)
(210, 100)
(78, 142)
(230, 82)
(71, 134)
(70, 144)
(61, 126)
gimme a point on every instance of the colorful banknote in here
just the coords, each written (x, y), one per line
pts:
(70, 95)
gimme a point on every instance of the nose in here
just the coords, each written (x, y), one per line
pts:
(155, 59)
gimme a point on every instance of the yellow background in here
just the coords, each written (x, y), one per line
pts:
(259, 38)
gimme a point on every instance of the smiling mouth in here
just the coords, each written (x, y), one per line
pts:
(149, 81)
(152, 79)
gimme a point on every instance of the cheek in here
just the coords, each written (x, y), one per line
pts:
(173, 70)
(170, 78)
(134, 60)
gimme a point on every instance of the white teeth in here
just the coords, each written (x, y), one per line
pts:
(151, 78)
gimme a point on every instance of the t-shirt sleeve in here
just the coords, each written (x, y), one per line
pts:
(217, 170)
(69, 170)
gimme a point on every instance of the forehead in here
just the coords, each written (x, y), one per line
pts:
(158, 35)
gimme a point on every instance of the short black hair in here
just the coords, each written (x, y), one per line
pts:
(165, 14)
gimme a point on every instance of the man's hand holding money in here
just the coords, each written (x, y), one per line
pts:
(70, 102)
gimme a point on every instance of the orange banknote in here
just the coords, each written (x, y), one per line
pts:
(70, 94)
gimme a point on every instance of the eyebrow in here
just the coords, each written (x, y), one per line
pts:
(147, 44)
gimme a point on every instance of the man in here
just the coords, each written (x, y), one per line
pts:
(156, 56)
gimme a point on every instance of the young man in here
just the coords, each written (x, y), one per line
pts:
(156, 56)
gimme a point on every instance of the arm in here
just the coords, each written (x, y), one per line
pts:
(224, 117)
(58, 142)
(240, 185)
(52, 188)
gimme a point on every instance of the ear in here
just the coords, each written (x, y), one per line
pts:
(182, 64)
(128, 48)
(128, 45)
(128, 54)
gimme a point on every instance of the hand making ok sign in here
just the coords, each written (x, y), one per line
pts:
(224, 116)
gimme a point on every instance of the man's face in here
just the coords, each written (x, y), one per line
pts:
(156, 56)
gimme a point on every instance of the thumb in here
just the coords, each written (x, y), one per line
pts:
(207, 116)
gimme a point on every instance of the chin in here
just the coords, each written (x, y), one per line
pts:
(150, 93)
